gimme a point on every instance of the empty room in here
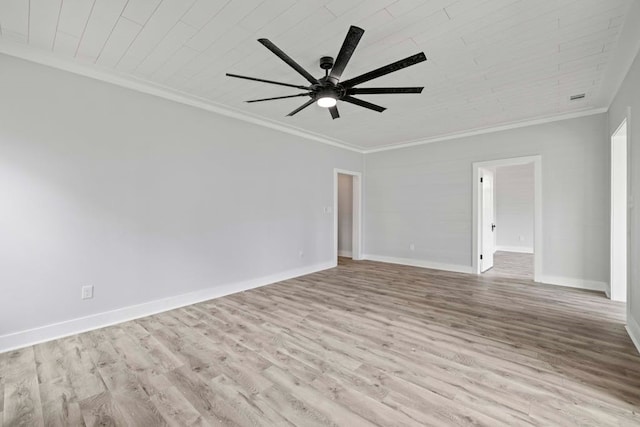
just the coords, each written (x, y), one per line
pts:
(319, 212)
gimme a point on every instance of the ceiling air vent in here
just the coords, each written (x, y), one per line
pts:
(576, 97)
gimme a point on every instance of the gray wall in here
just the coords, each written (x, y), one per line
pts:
(345, 214)
(144, 198)
(423, 194)
(514, 199)
(629, 96)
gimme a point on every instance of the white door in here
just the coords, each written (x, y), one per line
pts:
(488, 226)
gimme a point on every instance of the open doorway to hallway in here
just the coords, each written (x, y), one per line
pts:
(345, 216)
(512, 222)
(507, 218)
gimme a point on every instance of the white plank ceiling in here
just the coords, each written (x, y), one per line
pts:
(490, 62)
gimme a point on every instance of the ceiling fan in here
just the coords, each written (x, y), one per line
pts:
(328, 90)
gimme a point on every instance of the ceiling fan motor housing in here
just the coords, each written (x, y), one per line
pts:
(326, 62)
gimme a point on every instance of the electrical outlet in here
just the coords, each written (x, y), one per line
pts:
(87, 292)
(522, 238)
(301, 254)
(412, 247)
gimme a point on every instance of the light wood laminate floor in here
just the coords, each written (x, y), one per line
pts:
(362, 344)
(512, 264)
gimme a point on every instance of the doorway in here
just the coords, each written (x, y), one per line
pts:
(487, 219)
(347, 208)
(507, 217)
(619, 228)
(345, 215)
(511, 221)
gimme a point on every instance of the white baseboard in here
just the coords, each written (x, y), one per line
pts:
(571, 282)
(633, 329)
(420, 263)
(100, 320)
(518, 249)
(347, 254)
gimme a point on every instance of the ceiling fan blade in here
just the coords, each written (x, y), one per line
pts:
(379, 72)
(348, 47)
(362, 103)
(383, 90)
(302, 107)
(334, 112)
(237, 76)
(286, 58)
(279, 97)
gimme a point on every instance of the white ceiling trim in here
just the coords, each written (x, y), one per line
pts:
(492, 129)
(129, 82)
(617, 69)
(24, 52)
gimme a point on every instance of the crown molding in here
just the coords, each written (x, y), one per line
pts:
(491, 129)
(144, 86)
(629, 45)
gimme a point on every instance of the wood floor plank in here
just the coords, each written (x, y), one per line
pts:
(22, 404)
(138, 410)
(49, 358)
(194, 353)
(101, 410)
(235, 360)
(362, 404)
(315, 399)
(162, 358)
(62, 414)
(365, 343)
(80, 369)
(215, 409)
(297, 412)
(252, 406)
(176, 409)
(429, 408)
(511, 264)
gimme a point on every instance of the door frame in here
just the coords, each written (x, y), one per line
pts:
(356, 228)
(630, 207)
(609, 292)
(476, 248)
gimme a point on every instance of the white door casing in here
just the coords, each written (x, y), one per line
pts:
(619, 206)
(476, 238)
(356, 246)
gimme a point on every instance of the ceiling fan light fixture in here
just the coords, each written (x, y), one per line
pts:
(327, 101)
(328, 90)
